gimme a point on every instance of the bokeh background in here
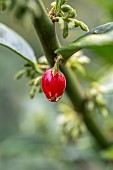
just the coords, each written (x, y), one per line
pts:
(32, 136)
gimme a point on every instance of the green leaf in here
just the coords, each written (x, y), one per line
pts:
(14, 42)
(106, 52)
(98, 37)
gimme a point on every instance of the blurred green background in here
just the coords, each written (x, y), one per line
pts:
(32, 135)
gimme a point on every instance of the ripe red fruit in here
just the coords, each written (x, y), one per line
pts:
(53, 85)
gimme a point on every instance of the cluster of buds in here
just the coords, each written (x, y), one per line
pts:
(65, 15)
(97, 99)
(34, 73)
(70, 124)
(77, 62)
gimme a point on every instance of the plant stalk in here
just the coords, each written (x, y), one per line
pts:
(46, 32)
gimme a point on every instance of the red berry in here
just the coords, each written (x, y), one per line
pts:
(53, 85)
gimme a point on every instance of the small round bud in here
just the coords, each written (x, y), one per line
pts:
(66, 8)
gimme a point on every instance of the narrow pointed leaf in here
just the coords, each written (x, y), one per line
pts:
(14, 42)
(98, 37)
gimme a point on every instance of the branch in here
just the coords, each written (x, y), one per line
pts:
(46, 32)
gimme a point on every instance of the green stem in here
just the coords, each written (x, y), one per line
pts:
(95, 130)
(56, 65)
(46, 32)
